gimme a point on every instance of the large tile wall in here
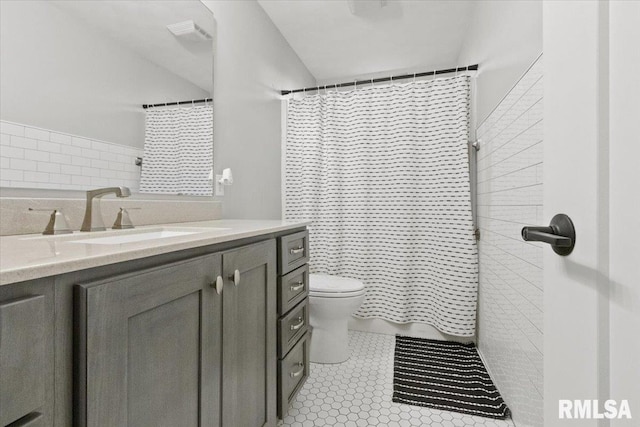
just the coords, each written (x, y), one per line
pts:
(37, 158)
(510, 186)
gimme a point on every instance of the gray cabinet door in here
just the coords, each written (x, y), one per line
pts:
(26, 352)
(148, 347)
(249, 336)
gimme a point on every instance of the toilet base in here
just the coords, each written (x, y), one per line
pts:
(330, 342)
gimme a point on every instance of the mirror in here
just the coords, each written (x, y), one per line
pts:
(74, 78)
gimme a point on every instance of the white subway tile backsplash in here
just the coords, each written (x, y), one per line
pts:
(51, 147)
(11, 128)
(64, 159)
(11, 175)
(48, 167)
(80, 181)
(73, 170)
(60, 178)
(41, 177)
(33, 157)
(99, 164)
(60, 138)
(510, 189)
(90, 172)
(39, 156)
(21, 142)
(90, 153)
(26, 165)
(71, 150)
(35, 133)
(12, 152)
(80, 142)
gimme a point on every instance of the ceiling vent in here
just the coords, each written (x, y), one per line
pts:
(363, 8)
(189, 30)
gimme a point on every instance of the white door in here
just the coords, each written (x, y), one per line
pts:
(592, 174)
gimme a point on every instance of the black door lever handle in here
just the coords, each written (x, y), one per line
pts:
(560, 234)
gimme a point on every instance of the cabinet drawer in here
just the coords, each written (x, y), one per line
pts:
(293, 251)
(292, 326)
(292, 288)
(22, 357)
(293, 371)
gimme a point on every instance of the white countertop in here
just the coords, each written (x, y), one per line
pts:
(32, 256)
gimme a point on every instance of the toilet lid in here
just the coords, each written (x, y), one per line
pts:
(320, 284)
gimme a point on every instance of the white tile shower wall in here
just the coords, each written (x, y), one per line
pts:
(37, 158)
(510, 186)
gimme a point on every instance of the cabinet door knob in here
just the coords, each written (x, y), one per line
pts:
(235, 277)
(218, 284)
(299, 372)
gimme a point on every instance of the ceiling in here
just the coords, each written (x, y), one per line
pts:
(141, 26)
(402, 35)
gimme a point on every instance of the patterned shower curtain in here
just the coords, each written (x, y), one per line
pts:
(178, 151)
(383, 174)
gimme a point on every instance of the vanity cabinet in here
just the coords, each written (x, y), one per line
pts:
(175, 345)
(184, 338)
(148, 346)
(293, 317)
(249, 336)
(26, 354)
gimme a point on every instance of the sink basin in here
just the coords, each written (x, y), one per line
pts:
(134, 236)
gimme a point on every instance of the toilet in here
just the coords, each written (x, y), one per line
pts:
(332, 300)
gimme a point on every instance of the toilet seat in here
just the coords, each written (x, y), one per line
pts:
(327, 286)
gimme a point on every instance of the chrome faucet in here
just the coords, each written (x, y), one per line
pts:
(93, 216)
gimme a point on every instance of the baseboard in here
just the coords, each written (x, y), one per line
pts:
(417, 330)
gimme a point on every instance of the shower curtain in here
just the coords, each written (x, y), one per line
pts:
(178, 151)
(383, 174)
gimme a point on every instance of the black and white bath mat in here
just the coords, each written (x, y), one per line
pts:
(444, 375)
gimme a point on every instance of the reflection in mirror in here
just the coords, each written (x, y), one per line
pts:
(74, 78)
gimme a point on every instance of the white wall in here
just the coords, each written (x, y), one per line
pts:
(253, 63)
(510, 303)
(61, 75)
(624, 199)
(504, 38)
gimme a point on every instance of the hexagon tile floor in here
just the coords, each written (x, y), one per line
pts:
(357, 393)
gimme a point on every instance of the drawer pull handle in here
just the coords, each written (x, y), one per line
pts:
(218, 284)
(296, 250)
(235, 278)
(297, 287)
(299, 325)
(299, 372)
